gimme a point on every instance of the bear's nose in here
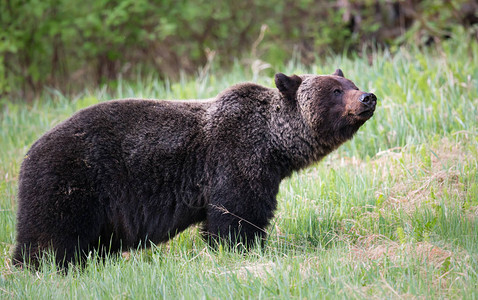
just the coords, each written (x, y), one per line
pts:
(368, 99)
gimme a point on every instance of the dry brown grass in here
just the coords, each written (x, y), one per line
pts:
(418, 183)
(261, 270)
(415, 182)
(375, 248)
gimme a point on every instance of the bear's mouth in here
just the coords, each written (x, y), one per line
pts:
(366, 114)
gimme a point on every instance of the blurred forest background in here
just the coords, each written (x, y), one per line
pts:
(72, 44)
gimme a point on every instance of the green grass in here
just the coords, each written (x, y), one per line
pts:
(392, 213)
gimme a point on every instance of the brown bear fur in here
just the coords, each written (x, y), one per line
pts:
(129, 172)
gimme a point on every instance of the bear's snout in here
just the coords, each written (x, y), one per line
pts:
(368, 99)
(364, 107)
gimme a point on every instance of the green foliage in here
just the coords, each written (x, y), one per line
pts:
(71, 43)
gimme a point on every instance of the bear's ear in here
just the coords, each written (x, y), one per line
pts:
(339, 72)
(288, 85)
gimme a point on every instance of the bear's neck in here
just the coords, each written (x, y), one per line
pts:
(296, 144)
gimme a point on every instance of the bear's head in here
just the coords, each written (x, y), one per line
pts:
(330, 105)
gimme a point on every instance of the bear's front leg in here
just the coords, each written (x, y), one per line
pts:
(238, 219)
(224, 226)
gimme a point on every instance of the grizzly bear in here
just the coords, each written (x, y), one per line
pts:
(126, 173)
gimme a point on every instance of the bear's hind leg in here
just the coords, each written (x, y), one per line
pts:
(64, 252)
(25, 255)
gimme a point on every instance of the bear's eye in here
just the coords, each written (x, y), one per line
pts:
(338, 92)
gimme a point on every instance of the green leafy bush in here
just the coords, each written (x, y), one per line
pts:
(69, 43)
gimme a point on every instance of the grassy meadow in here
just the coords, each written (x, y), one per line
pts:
(391, 214)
